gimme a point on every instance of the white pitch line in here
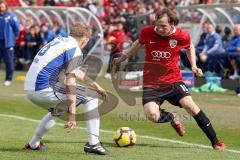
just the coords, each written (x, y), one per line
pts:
(141, 136)
(19, 95)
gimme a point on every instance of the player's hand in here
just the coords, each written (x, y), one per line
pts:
(197, 71)
(100, 91)
(103, 93)
(70, 125)
(119, 60)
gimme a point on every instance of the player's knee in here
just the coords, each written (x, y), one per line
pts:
(153, 117)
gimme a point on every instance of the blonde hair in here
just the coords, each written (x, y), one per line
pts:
(80, 30)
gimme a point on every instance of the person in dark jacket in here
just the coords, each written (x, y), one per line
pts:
(31, 45)
(48, 35)
(9, 30)
(59, 30)
(233, 51)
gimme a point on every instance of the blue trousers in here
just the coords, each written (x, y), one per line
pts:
(236, 57)
(7, 54)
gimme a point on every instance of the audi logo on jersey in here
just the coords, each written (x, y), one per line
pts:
(157, 55)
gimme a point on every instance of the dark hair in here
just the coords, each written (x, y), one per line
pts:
(172, 17)
(227, 30)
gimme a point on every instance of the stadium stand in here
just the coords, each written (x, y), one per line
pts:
(129, 13)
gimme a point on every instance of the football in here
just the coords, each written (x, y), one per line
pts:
(125, 137)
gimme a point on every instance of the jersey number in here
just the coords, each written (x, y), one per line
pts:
(44, 49)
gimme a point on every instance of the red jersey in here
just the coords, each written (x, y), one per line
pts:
(21, 36)
(119, 36)
(162, 54)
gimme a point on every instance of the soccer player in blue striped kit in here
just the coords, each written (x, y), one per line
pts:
(51, 83)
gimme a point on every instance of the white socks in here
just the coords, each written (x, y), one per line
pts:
(92, 118)
(93, 122)
(45, 125)
(235, 72)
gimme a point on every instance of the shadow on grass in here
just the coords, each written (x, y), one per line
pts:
(62, 141)
(107, 144)
(12, 149)
(112, 144)
(49, 151)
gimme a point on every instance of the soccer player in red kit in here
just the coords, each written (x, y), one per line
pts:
(162, 78)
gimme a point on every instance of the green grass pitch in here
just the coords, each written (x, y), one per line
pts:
(154, 141)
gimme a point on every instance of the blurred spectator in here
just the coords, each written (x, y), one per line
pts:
(91, 6)
(227, 36)
(199, 48)
(116, 39)
(201, 42)
(218, 29)
(39, 38)
(212, 47)
(31, 45)
(233, 49)
(49, 3)
(9, 30)
(28, 24)
(20, 46)
(58, 30)
(48, 35)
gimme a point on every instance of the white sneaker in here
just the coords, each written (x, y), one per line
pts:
(7, 83)
(21, 60)
(234, 77)
(28, 62)
(107, 76)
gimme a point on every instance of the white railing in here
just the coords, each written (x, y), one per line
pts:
(65, 16)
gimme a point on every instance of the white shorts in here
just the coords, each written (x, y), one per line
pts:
(51, 98)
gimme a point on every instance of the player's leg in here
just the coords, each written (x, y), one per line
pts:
(157, 115)
(93, 126)
(8, 57)
(151, 109)
(46, 123)
(181, 97)
(92, 118)
(202, 120)
(151, 104)
(44, 126)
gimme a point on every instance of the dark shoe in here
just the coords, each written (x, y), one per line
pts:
(97, 149)
(40, 147)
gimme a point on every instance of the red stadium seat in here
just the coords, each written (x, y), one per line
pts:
(13, 3)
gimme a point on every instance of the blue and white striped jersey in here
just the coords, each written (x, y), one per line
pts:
(61, 54)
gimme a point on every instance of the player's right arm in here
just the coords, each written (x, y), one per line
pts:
(129, 53)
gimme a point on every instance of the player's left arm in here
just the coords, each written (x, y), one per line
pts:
(191, 54)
